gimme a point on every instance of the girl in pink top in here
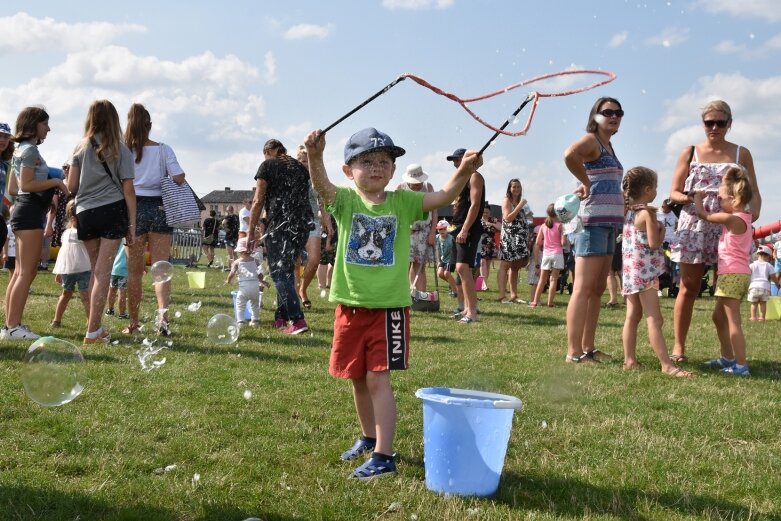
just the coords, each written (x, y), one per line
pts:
(551, 239)
(735, 194)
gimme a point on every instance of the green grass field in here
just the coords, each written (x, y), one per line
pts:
(592, 442)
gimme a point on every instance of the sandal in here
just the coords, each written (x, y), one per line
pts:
(611, 305)
(582, 359)
(678, 359)
(360, 447)
(132, 329)
(466, 320)
(307, 304)
(375, 468)
(680, 373)
(598, 355)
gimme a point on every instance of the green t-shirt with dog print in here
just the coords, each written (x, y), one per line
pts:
(372, 253)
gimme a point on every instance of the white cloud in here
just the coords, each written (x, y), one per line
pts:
(670, 37)
(729, 47)
(618, 39)
(271, 67)
(769, 10)
(415, 5)
(303, 31)
(23, 33)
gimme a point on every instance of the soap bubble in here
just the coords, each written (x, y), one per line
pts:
(222, 329)
(53, 372)
(567, 207)
(162, 272)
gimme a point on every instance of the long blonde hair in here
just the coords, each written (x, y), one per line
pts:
(139, 124)
(103, 120)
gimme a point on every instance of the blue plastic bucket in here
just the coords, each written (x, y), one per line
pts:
(465, 436)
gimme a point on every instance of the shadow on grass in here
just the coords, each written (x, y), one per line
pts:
(31, 504)
(16, 352)
(573, 497)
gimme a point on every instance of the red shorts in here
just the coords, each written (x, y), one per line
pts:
(369, 340)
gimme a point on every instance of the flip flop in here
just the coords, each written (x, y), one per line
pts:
(307, 304)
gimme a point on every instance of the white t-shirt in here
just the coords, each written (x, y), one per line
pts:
(760, 274)
(149, 170)
(247, 274)
(670, 221)
(244, 214)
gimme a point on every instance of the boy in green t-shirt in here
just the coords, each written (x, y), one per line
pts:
(370, 285)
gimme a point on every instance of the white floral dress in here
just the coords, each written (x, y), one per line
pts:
(641, 264)
(697, 240)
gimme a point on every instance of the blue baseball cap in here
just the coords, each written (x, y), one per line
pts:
(5, 129)
(370, 140)
(457, 154)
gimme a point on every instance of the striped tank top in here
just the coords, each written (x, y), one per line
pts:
(605, 204)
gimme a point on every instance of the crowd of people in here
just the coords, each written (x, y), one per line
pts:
(108, 201)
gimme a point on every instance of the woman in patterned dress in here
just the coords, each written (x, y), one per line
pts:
(514, 245)
(700, 168)
(423, 233)
(488, 250)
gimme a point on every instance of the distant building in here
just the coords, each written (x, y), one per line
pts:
(220, 200)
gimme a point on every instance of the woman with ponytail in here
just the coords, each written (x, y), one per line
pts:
(153, 161)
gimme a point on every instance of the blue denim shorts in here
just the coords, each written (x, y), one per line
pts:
(118, 282)
(594, 241)
(150, 216)
(70, 280)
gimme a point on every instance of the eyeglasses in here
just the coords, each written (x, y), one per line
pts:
(721, 123)
(609, 113)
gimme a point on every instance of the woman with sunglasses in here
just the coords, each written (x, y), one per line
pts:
(700, 168)
(593, 162)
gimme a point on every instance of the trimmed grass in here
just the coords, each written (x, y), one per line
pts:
(592, 442)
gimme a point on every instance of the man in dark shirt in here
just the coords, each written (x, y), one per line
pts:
(467, 209)
(230, 223)
(282, 188)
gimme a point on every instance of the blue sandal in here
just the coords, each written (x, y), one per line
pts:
(374, 468)
(359, 448)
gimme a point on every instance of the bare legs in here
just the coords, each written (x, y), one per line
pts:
(584, 305)
(159, 249)
(690, 283)
(101, 255)
(376, 409)
(28, 253)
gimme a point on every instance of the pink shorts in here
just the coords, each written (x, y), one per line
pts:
(369, 340)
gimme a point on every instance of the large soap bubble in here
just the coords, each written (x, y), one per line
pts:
(53, 372)
(162, 272)
(567, 207)
(222, 329)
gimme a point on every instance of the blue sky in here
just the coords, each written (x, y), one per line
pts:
(221, 80)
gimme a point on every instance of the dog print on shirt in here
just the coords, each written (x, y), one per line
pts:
(371, 240)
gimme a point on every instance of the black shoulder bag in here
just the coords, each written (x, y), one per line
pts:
(677, 207)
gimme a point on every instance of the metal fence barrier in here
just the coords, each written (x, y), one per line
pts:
(186, 247)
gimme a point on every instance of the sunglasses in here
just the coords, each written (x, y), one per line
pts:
(609, 113)
(721, 123)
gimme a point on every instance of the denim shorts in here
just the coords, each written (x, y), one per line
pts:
(594, 241)
(70, 280)
(118, 282)
(150, 216)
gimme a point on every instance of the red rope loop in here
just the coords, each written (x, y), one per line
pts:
(536, 95)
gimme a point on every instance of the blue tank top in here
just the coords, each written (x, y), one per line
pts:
(605, 204)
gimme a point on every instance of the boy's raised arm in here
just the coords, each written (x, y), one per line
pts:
(469, 164)
(315, 145)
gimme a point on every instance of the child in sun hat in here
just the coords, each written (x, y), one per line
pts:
(446, 245)
(245, 269)
(371, 329)
(759, 286)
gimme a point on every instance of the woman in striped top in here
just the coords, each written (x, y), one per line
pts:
(593, 162)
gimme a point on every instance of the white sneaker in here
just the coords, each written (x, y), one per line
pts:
(20, 332)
